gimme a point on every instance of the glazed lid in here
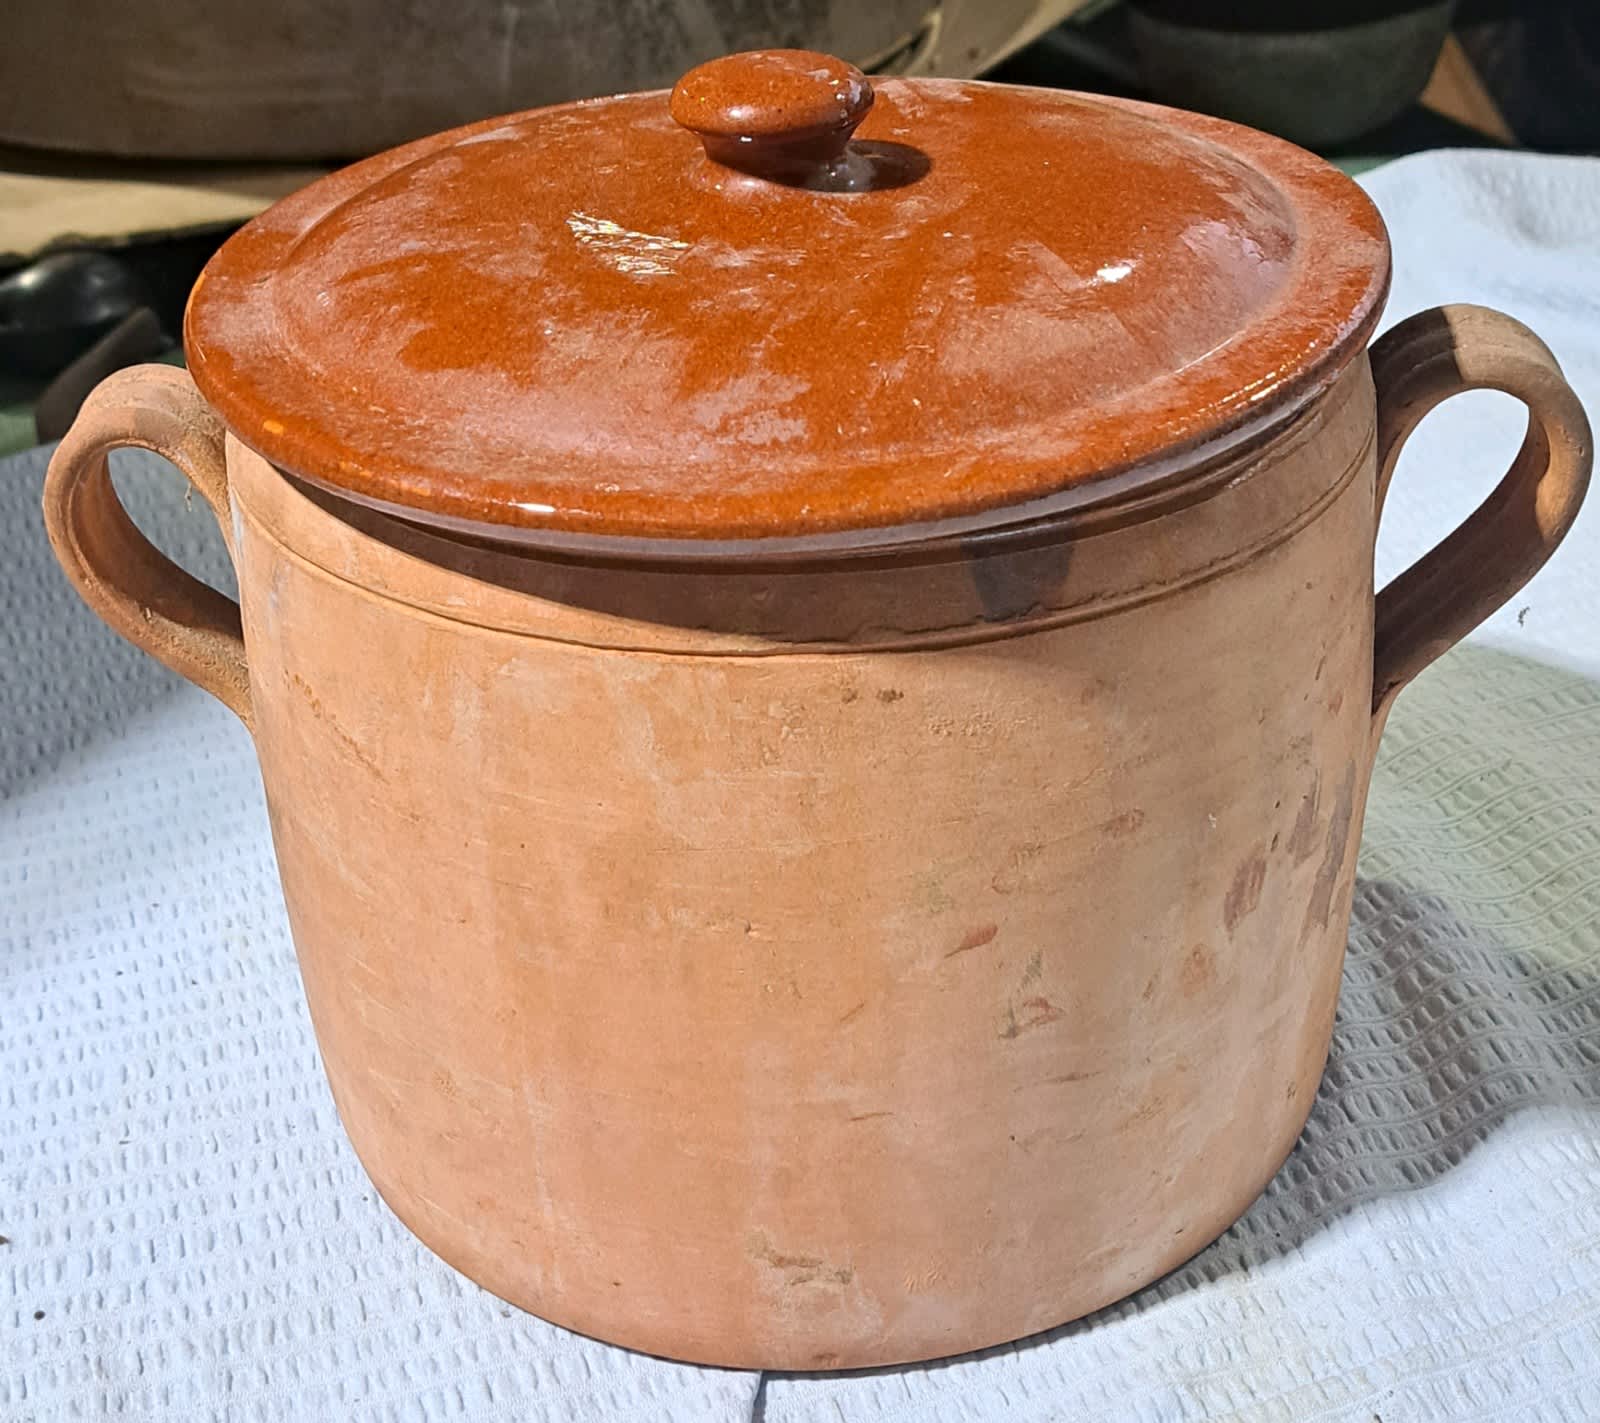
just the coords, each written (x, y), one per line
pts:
(721, 318)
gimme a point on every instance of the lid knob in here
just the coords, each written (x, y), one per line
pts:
(778, 113)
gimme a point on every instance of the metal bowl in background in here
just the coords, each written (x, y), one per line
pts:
(54, 310)
(1318, 86)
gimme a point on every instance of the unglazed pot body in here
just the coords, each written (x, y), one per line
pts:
(832, 963)
(824, 967)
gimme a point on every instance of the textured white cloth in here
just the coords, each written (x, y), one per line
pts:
(182, 1210)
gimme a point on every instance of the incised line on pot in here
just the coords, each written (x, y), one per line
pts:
(966, 635)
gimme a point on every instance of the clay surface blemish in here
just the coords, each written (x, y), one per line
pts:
(1199, 969)
(797, 1269)
(349, 742)
(1335, 846)
(1033, 970)
(889, 694)
(1124, 824)
(853, 1013)
(976, 939)
(1244, 894)
(1060, 1079)
(1010, 589)
(1029, 1014)
(1017, 872)
(1303, 838)
(869, 1116)
(935, 897)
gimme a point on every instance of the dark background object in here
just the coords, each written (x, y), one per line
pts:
(306, 79)
(311, 80)
(1323, 74)
(53, 310)
(1540, 59)
(1275, 16)
(137, 337)
(1534, 66)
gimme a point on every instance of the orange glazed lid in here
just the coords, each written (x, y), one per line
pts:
(784, 307)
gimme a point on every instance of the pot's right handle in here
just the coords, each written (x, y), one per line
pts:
(146, 597)
(1455, 586)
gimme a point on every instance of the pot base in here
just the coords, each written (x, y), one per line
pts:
(601, 1310)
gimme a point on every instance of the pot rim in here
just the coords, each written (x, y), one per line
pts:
(1253, 507)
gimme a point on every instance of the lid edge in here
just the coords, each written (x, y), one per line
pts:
(1032, 494)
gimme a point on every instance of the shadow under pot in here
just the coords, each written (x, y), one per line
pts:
(816, 728)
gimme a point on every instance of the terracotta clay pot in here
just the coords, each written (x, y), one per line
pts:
(812, 959)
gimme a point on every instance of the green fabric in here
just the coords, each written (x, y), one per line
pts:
(17, 398)
(16, 414)
(1487, 795)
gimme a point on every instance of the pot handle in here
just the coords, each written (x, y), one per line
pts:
(1450, 590)
(141, 593)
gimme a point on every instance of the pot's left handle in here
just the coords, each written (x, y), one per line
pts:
(140, 592)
